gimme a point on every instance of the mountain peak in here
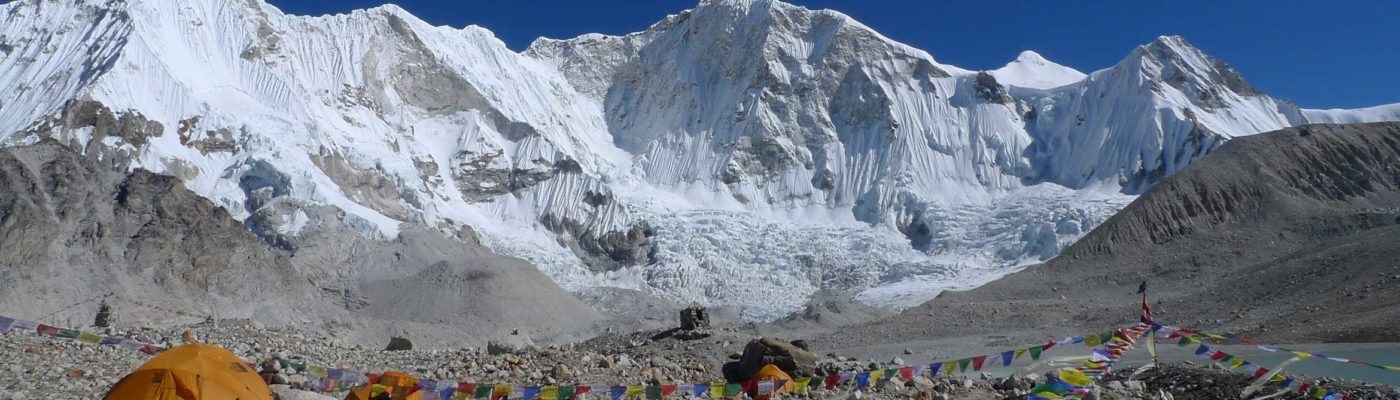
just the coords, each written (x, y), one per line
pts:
(1178, 63)
(1031, 70)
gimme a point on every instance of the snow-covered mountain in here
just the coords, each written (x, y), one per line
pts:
(744, 153)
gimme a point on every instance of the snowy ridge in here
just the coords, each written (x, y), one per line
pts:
(1388, 112)
(1030, 70)
(745, 153)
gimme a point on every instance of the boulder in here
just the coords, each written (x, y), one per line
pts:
(399, 344)
(515, 342)
(766, 350)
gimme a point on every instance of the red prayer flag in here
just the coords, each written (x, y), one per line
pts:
(1260, 372)
(48, 330)
(1047, 346)
(831, 381)
(906, 373)
(1304, 388)
(977, 362)
(666, 390)
(466, 387)
(1219, 355)
(582, 389)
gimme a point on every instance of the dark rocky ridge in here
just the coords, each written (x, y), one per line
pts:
(71, 229)
(1289, 235)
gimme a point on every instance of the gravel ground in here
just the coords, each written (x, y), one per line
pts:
(47, 368)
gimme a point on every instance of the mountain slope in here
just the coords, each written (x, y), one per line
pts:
(745, 153)
(1290, 235)
(74, 230)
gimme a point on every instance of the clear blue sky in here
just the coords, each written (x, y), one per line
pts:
(1322, 54)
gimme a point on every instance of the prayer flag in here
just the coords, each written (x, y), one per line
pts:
(1035, 352)
(1006, 357)
(1047, 346)
(636, 391)
(23, 326)
(831, 381)
(934, 368)
(48, 330)
(554, 393)
(862, 380)
(800, 384)
(963, 363)
(1019, 352)
(667, 390)
(977, 362)
(948, 367)
(1202, 350)
(5, 324)
(149, 349)
(68, 333)
(84, 337)
(111, 340)
(765, 388)
(906, 373)
(616, 392)
(530, 392)
(1092, 341)
(501, 391)
(653, 392)
(876, 375)
(732, 389)
(1074, 377)
(700, 390)
(1260, 372)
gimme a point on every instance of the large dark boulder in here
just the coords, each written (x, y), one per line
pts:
(791, 359)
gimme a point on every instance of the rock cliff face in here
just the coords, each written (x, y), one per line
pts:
(1293, 234)
(74, 230)
(667, 161)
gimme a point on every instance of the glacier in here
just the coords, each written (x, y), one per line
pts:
(744, 153)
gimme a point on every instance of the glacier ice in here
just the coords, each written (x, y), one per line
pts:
(745, 153)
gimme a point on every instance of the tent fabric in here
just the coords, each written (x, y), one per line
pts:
(193, 371)
(392, 385)
(772, 373)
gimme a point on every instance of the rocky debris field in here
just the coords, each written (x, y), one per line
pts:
(49, 368)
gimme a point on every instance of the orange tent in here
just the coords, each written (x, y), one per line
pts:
(193, 371)
(776, 375)
(393, 385)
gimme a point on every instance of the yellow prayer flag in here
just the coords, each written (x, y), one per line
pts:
(800, 384)
(717, 389)
(876, 375)
(1302, 355)
(1091, 341)
(501, 391)
(1048, 395)
(1236, 363)
(89, 338)
(1215, 336)
(1074, 377)
(1019, 352)
(1392, 368)
(635, 391)
(949, 366)
(549, 393)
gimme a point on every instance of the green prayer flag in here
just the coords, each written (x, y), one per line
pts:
(653, 392)
(483, 391)
(1047, 388)
(963, 363)
(1035, 352)
(1106, 337)
(732, 389)
(1185, 341)
(68, 333)
(566, 393)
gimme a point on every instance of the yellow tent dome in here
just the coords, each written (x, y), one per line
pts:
(193, 371)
